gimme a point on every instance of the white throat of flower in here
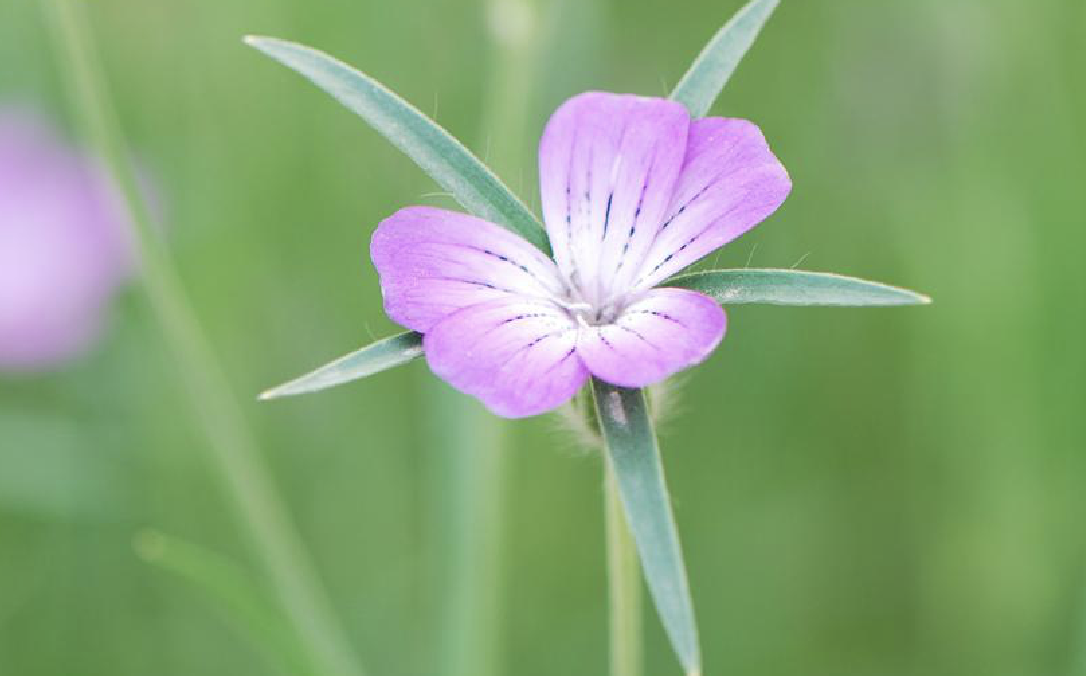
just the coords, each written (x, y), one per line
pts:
(587, 314)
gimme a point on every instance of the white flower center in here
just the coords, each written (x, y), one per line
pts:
(586, 314)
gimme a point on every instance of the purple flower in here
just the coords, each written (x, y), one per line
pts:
(633, 191)
(62, 246)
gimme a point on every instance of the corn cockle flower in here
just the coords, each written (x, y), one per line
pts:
(63, 251)
(633, 191)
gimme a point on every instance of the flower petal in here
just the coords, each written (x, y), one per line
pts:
(517, 355)
(608, 164)
(433, 262)
(663, 332)
(729, 183)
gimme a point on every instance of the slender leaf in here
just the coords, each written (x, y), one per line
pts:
(635, 461)
(793, 287)
(440, 155)
(232, 450)
(374, 358)
(717, 61)
(233, 592)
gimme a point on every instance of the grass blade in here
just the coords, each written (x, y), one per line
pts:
(793, 287)
(233, 454)
(231, 590)
(440, 155)
(634, 458)
(374, 358)
(710, 71)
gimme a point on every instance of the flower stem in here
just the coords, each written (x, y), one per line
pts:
(624, 576)
(232, 451)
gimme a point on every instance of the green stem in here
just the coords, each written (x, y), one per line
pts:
(624, 577)
(633, 462)
(232, 450)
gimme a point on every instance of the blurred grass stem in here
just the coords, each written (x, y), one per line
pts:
(233, 453)
(471, 440)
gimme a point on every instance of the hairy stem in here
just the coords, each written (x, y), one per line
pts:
(232, 452)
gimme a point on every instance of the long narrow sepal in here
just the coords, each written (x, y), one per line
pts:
(794, 287)
(702, 83)
(374, 358)
(634, 458)
(436, 151)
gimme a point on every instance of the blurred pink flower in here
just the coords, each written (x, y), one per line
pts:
(63, 248)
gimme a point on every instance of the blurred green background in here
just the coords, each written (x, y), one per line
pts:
(868, 492)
